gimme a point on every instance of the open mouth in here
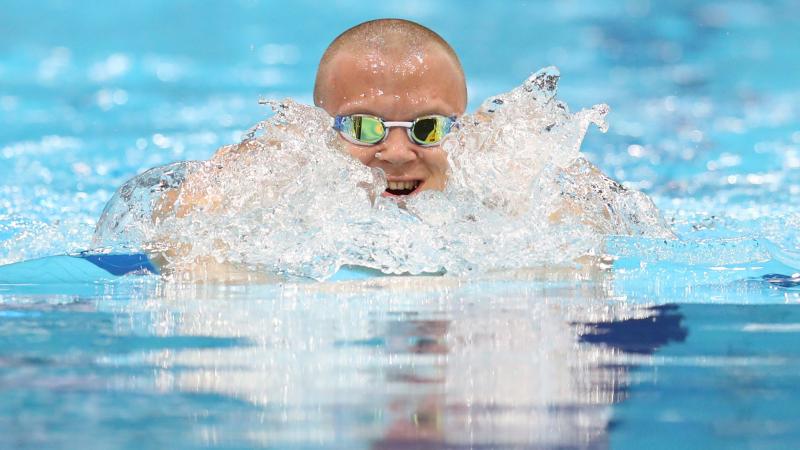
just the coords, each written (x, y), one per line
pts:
(397, 188)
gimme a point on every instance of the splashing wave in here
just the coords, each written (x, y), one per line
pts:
(290, 200)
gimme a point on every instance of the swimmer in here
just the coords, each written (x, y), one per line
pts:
(394, 89)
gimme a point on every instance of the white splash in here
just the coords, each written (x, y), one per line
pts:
(290, 200)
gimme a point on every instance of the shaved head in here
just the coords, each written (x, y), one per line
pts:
(398, 41)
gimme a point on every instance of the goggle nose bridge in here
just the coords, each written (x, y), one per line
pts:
(395, 124)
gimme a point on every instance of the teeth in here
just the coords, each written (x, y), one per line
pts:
(402, 185)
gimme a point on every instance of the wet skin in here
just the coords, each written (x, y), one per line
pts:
(396, 86)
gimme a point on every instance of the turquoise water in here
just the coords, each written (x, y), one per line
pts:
(681, 345)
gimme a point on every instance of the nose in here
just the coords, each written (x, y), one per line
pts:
(397, 149)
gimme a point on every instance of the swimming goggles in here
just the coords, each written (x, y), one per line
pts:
(364, 129)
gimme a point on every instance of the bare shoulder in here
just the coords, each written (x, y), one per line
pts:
(253, 145)
(195, 192)
(225, 153)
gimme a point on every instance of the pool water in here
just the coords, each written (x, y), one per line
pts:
(681, 345)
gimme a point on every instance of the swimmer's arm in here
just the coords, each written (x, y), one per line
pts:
(571, 208)
(194, 193)
(172, 260)
(191, 195)
(249, 146)
(229, 151)
(209, 270)
(595, 204)
(197, 192)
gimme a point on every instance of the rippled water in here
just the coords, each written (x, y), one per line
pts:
(704, 120)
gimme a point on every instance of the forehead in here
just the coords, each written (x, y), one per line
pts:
(398, 85)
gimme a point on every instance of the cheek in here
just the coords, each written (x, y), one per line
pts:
(436, 161)
(363, 154)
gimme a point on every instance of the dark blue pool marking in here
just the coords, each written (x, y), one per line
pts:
(121, 264)
(781, 280)
(640, 336)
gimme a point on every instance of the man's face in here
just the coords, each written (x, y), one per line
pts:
(399, 86)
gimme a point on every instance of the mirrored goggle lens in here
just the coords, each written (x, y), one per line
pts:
(366, 129)
(430, 130)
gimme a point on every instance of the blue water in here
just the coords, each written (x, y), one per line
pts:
(684, 346)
